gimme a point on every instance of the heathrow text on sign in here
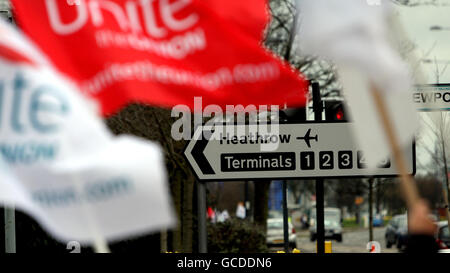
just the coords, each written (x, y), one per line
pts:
(305, 150)
(432, 97)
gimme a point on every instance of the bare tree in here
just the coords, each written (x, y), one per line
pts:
(280, 40)
(438, 125)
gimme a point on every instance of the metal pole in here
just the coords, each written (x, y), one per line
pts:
(246, 200)
(10, 230)
(285, 218)
(320, 218)
(371, 209)
(202, 234)
(285, 210)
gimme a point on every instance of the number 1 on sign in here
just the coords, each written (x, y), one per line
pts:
(307, 161)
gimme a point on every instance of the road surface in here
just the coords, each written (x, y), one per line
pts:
(353, 241)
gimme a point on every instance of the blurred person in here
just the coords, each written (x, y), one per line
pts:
(211, 214)
(222, 216)
(304, 220)
(240, 210)
(225, 215)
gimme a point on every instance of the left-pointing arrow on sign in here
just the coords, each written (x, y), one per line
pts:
(199, 156)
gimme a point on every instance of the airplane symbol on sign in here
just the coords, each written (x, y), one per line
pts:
(307, 138)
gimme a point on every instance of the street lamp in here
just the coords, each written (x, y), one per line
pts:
(438, 28)
(430, 61)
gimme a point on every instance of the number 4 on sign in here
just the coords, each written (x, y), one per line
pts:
(362, 163)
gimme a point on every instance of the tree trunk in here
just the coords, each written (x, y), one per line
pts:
(188, 215)
(378, 197)
(177, 202)
(261, 202)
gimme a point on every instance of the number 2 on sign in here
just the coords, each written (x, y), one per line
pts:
(326, 160)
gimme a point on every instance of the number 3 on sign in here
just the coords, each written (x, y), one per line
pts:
(345, 160)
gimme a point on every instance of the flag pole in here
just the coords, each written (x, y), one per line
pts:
(100, 244)
(407, 185)
(10, 229)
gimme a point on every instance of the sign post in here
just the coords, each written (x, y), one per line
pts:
(320, 218)
(285, 218)
(201, 205)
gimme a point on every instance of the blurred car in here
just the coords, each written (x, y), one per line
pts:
(275, 214)
(443, 236)
(402, 232)
(377, 221)
(390, 234)
(275, 232)
(332, 223)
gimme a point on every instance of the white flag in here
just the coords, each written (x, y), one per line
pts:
(353, 34)
(59, 162)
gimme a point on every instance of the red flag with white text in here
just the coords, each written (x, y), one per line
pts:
(162, 52)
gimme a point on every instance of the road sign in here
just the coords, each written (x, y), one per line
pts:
(432, 97)
(301, 150)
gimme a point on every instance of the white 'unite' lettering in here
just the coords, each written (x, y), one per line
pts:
(159, 16)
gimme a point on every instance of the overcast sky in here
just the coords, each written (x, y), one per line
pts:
(417, 22)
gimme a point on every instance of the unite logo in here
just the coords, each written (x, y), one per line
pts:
(155, 17)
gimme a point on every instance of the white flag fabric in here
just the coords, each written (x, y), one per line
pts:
(353, 34)
(60, 164)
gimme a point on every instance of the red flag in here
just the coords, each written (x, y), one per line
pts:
(252, 16)
(162, 52)
(14, 56)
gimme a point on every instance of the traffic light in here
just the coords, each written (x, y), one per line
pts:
(335, 111)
